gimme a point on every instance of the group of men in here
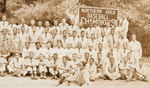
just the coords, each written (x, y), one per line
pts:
(69, 52)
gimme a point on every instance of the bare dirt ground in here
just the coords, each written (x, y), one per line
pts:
(26, 82)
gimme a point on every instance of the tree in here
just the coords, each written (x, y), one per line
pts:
(4, 6)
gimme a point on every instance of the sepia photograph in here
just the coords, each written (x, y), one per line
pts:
(74, 43)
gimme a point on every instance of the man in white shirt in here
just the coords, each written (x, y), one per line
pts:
(82, 38)
(16, 65)
(40, 28)
(73, 27)
(80, 50)
(47, 27)
(24, 36)
(90, 71)
(93, 41)
(111, 68)
(34, 34)
(136, 49)
(16, 44)
(45, 36)
(59, 49)
(55, 26)
(48, 50)
(4, 23)
(23, 24)
(103, 39)
(74, 39)
(37, 49)
(5, 40)
(26, 50)
(73, 17)
(124, 24)
(125, 50)
(63, 25)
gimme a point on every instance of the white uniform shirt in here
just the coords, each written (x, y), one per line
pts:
(25, 52)
(47, 52)
(37, 52)
(4, 24)
(136, 48)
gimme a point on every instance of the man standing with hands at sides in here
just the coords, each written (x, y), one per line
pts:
(40, 28)
(73, 17)
(47, 26)
(34, 35)
(63, 26)
(23, 24)
(4, 23)
(124, 24)
(55, 26)
(136, 49)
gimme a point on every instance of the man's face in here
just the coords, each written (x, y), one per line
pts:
(121, 35)
(129, 55)
(124, 15)
(79, 44)
(75, 12)
(22, 29)
(100, 46)
(31, 54)
(22, 21)
(65, 32)
(125, 45)
(82, 33)
(74, 56)
(15, 30)
(38, 45)
(103, 33)
(47, 24)
(108, 24)
(81, 67)
(41, 56)
(17, 55)
(55, 31)
(90, 47)
(112, 32)
(92, 36)
(63, 20)
(59, 44)
(110, 55)
(55, 23)
(40, 23)
(69, 45)
(32, 22)
(55, 56)
(91, 61)
(48, 45)
(4, 18)
(87, 55)
(27, 44)
(99, 55)
(4, 32)
(133, 37)
(111, 47)
(74, 33)
(64, 59)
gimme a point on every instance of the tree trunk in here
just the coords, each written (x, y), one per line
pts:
(4, 6)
